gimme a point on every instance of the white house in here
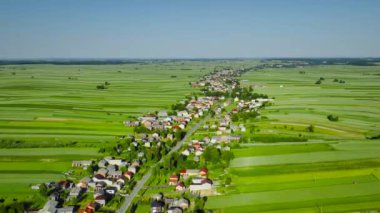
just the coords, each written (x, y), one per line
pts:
(185, 152)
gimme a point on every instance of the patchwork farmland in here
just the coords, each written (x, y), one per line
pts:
(314, 149)
(59, 106)
(51, 114)
(61, 103)
(335, 168)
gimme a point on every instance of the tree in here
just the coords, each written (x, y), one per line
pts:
(211, 154)
(227, 156)
(100, 86)
(310, 128)
(90, 170)
(228, 180)
(199, 204)
(235, 118)
(44, 191)
(156, 171)
(333, 117)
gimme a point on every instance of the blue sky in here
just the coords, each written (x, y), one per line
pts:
(189, 28)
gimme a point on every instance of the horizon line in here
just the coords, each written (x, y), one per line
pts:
(183, 58)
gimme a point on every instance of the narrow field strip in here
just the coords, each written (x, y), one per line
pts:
(297, 158)
(294, 195)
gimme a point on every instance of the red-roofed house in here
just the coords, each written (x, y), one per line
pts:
(180, 187)
(197, 146)
(90, 208)
(101, 200)
(182, 172)
(203, 172)
(128, 175)
(173, 180)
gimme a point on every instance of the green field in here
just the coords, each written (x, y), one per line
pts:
(41, 104)
(20, 168)
(59, 106)
(278, 182)
(249, 151)
(313, 157)
(299, 102)
(337, 170)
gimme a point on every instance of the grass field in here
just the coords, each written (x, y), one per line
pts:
(281, 149)
(302, 181)
(41, 106)
(56, 105)
(39, 103)
(20, 168)
(297, 195)
(299, 102)
(337, 170)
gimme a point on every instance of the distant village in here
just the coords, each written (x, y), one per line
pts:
(155, 134)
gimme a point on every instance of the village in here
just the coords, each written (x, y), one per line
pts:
(189, 106)
(106, 182)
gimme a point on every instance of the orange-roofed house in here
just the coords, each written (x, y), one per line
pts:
(182, 172)
(203, 172)
(173, 180)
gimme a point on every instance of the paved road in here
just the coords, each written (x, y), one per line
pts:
(128, 200)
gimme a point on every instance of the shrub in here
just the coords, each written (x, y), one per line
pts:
(228, 180)
(310, 128)
(333, 117)
(373, 137)
(101, 86)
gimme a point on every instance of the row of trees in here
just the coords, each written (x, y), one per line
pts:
(103, 86)
(246, 93)
(321, 79)
(180, 106)
(217, 156)
(244, 116)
